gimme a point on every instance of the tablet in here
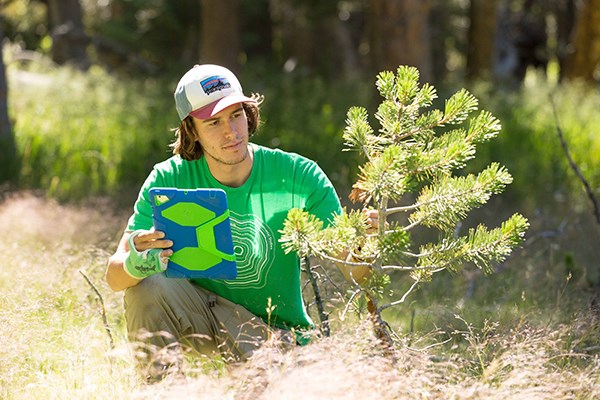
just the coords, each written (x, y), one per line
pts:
(197, 222)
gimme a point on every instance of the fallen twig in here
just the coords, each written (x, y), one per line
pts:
(102, 309)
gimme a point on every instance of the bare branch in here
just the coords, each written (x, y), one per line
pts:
(340, 261)
(395, 303)
(328, 277)
(318, 299)
(433, 268)
(354, 294)
(394, 210)
(574, 166)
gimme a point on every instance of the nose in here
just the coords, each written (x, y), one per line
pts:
(231, 129)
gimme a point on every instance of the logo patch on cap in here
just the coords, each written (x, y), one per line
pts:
(214, 84)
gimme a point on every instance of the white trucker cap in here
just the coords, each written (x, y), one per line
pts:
(206, 90)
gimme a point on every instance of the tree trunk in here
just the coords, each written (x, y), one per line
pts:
(381, 329)
(220, 33)
(310, 37)
(292, 35)
(69, 40)
(8, 150)
(399, 35)
(482, 30)
(439, 23)
(565, 21)
(584, 59)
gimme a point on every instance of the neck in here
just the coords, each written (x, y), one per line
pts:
(231, 175)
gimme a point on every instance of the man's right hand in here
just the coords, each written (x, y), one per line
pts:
(148, 253)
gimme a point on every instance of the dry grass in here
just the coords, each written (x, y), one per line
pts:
(530, 364)
(55, 345)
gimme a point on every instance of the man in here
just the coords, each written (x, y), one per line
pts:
(212, 150)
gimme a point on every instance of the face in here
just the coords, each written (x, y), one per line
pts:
(224, 137)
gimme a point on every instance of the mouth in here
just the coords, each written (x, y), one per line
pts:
(234, 145)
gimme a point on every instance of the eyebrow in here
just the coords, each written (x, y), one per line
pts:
(240, 108)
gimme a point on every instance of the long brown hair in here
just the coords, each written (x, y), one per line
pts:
(189, 148)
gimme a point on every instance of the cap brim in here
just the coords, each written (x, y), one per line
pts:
(215, 107)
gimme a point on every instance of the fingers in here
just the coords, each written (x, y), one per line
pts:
(372, 218)
(151, 240)
(371, 213)
(166, 253)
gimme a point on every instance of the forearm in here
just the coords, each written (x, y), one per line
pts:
(116, 277)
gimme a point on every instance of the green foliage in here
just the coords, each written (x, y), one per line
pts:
(86, 134)
(146, 28)
(416, 152)
(25, 21)
(301, 225)
(81, 135)
(306, 115)
(530, 148)
(480, 247)
(449, 198)
(123, 126)
(304, 233)
(394, 245)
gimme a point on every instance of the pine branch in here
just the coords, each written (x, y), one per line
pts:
(449, 199)
(459, 106)
(481, 246)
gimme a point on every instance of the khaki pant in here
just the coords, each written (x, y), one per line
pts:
(163, 313)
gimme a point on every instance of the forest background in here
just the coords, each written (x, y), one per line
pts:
(86, 109)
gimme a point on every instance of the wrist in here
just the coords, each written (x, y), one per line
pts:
(132, 270)
(140, 265)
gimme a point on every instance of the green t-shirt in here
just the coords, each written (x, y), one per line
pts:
(278, 182)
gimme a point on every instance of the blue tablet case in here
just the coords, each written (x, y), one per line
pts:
(197, 221)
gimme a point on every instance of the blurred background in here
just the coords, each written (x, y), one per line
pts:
(86, 101)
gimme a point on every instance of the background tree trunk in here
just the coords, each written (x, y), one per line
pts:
(292, 35)
(564, 12)
(481, 33)
(399, 35)
(220, 33)
(584, 59)
(309, 37)
(8, 150)
(69, 40)
(438, 21)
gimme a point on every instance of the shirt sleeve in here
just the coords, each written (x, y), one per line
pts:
(142, 210)
(322, 201)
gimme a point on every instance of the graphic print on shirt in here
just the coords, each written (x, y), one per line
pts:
(253, 244)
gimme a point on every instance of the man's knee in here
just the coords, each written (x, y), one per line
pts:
(149, 291)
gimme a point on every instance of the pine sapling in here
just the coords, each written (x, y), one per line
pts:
(409, 176)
